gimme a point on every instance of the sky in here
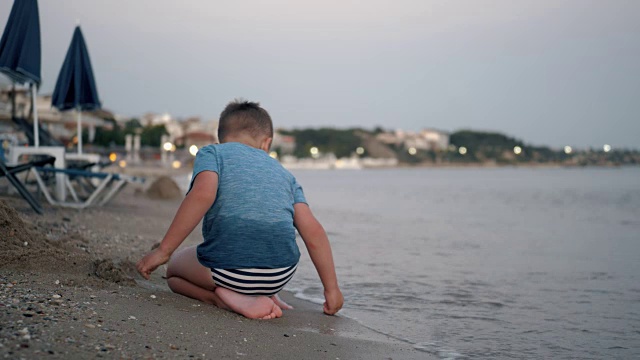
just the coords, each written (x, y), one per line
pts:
(549, 72)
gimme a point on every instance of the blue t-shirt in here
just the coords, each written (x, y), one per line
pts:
(250, 224)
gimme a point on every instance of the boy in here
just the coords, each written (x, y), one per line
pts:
(250, 205)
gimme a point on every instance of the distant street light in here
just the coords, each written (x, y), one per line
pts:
(273, 154)
(606, 147)
(568, 149)
(462, 150)
(360, 150)
(167, 146)
(412, 151)
(517, 150)
(193, 150)
(315, 153)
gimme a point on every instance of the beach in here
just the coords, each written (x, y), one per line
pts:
(68, 289)
(447, 263)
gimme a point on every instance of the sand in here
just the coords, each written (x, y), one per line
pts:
(164, 188)
(68, 289)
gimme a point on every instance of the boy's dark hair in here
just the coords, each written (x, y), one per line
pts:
(244, 116)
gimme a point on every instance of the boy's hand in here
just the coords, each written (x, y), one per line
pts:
(333, 301)
(151, 261)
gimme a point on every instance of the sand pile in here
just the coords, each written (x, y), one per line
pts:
(18, 243)
(24, 247)
(164, 188)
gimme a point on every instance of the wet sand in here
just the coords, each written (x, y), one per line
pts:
(72, 292)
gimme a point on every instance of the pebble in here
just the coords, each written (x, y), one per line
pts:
(56, 296)
(57, 282)
(152, 296)
(132, 317)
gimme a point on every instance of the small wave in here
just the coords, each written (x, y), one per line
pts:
(600, 291)
(629, 222)
(537, 273)
(433, 348)
(465, 302)
(475, 283)
(483, 318)
(459, 295)
(300, 294)
(494, 304)
(441, 353)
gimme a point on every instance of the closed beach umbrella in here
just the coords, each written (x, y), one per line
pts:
(20, 51)
(76, 87)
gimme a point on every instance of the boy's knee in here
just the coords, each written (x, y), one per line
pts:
(173, 283)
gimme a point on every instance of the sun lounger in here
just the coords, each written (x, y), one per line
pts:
(10, 173)
(109, 185)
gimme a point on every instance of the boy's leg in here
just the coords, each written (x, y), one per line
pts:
(186, 276)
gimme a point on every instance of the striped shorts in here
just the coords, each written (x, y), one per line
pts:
(254, 282)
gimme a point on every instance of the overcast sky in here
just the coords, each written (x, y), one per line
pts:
(549, 72)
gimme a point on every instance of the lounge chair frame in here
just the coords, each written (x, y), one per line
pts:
(10, 173)
(108, 187)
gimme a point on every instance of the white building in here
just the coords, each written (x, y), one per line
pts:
(427, 139)
(171, 124)
(437, 140)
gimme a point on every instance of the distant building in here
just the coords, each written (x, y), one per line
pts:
(388, 138)
(171, 124)
(436, 139)
(61, 125)
(197, 138)
(285, 144)
(427, 139)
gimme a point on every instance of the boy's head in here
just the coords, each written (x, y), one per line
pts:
(243, 119)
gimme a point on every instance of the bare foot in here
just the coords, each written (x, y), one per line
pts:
(253, 307)
(283, 305)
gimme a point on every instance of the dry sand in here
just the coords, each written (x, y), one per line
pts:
(68, 290)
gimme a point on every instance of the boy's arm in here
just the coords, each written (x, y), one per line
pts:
(317, 243)
(191, 211)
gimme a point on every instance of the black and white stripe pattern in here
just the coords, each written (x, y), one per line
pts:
(254, 282)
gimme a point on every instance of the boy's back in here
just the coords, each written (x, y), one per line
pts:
(251, 221)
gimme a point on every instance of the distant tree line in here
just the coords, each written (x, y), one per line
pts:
(149, 135)
(341, 142)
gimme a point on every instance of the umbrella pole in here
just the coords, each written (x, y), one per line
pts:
(79, 116)
(36, 128)
(13, 101)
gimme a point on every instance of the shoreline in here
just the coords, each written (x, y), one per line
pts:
(65, 306)
(152, 172)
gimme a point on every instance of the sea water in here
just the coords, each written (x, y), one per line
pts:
(485, 263)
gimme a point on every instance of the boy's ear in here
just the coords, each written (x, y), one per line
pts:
(266, 144)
